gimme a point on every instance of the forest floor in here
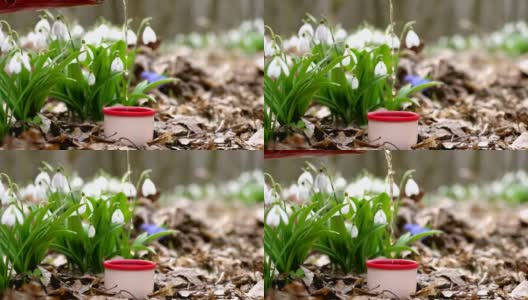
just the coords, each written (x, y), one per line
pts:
(216, 103)
(483, 104)
(217, 253)
(482, 254)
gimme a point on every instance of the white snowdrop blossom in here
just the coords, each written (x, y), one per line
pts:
(306, 31)
(7, 45)
(59, 183)
(118, 217)
(275, 216)
(395, 190)
(149, 36)
(340, 35)
(77, 183)
(43, 26)
(349, 57)
(349, 206)
(4, 195)
(380, 218)
(323, 35)
(89, 77)
(59, 30)
(270, 48)
(411, 188)
(131, 38)
(303, 193)
(304, 44)
(12, 215)
(381, 69)
(277, 67)
(89, 229)
(77, 31)
(393, 42)
(353, 230)
(322, 183)
(412, 40)
(353, 81)
(16, 63)
(42, 179)
(270, 195)
(305, 179)
(128, 189)
(148, 188)
(85, 53)
(117, 65)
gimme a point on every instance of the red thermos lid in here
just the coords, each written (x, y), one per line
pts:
(7, 6)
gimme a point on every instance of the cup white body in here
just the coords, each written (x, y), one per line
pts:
(130, 131)
(393, 135)
(399, 283)
(138, 283)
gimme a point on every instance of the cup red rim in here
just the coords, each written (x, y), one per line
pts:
(393, 116)
(392, 264)
(129, 111)
(129, 265)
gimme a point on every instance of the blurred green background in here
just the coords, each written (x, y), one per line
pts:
(170, 17)
(169, 169)
(433, 168)
(434, 18)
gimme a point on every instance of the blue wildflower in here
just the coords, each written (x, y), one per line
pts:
(414, 229)
(152, 228)
(152, 77)
(416, 80)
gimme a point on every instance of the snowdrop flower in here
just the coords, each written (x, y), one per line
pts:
(77, 31)
(85, 204)
(270, 48)
(7, 45)
(381, 69)
(303, 193)
(353, 81)
(118, 217)
(340, 35)
(304, 44)
(117, 65)
(277, 67)
(43, 179)
(43, 26)
(275, 216)
(322, 183)
(270, 195)
(306, 31)
(395, 190)
(59, 183)
(12, 215)
(129, 189)
(353, 230)
(349, 206)
(89, 77)
(393, 42)
(16, 63)
(411, 188)
(59, 30)
(412, 40)
(93, 38)
(148, 188)
(89, 229)
(77, 183)
(149, 36)
(4, 195)
(349, 57)
(305, 179)
(340, 183)
(323, 34)
(85, 53)
(131, 38)
(380, 218)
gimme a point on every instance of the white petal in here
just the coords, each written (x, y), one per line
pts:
(411, 188)
(149, 36)
(129, 190)
(412, 40)
(148, 188)
(306, 31)
(117, 65)
(43, 26)
(381, 69)
(118, 217)
(380, 218)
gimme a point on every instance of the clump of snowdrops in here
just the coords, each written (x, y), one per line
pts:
(86, 222)
(360, 71)
(350, 222)
(85, 70)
